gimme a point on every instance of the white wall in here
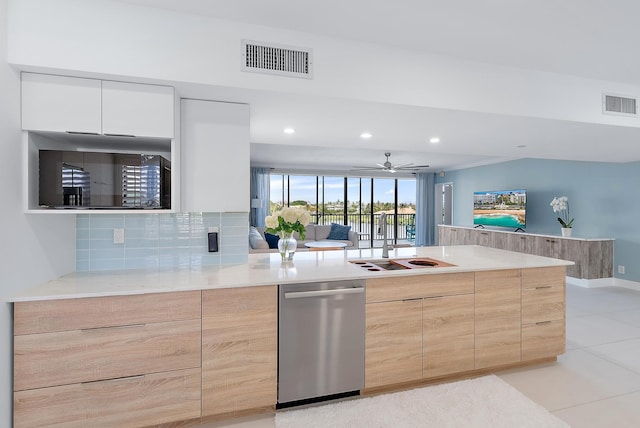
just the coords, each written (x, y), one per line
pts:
(125, 40)
(34, 249)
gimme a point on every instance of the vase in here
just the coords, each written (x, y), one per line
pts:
(287, 245)
(566, 231)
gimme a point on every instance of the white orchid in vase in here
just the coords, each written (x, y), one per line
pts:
(560, 205)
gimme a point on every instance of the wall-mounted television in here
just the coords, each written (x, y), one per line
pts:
(504, 208)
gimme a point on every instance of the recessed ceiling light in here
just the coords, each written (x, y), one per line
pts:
(366, 135)
(434, 140)
(289, 130)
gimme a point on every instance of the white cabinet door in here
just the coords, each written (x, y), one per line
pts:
(214, 154)
(60, 104)
(137, 109)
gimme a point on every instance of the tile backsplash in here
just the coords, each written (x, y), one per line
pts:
(159, 240)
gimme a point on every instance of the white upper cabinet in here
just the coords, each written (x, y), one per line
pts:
(61, 104)
(77, 105)
(135, 109)
(214, 152)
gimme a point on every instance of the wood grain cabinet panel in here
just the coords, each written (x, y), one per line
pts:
(136, 401)
(543, 312)
(239, 349)
(497, 318)
(61, 358)
(418, 286)
(448, 335)
(543, 340)
(92, 312)
(122, 361)
(393, 342)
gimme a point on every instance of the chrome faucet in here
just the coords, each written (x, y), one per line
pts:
(382, 228)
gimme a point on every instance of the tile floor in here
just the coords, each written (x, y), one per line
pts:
(595, 384)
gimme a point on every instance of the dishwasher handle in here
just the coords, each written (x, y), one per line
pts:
(322, 293)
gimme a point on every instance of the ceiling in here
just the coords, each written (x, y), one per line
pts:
(586, 38)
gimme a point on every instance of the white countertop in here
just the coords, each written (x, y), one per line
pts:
(489, 229)
(267, 269)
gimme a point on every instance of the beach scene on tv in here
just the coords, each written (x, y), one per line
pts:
(500, 208)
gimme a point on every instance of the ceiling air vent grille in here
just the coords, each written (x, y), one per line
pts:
(619, 105)
(282, 60)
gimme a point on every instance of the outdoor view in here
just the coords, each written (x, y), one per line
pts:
(355, 201)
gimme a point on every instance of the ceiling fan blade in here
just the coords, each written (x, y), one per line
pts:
(381, 166)
(412, 167)
(402, 165)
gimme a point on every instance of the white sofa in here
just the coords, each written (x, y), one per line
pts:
(313, 232)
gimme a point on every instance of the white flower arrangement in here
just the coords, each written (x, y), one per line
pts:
(560, 205)
(288, 219)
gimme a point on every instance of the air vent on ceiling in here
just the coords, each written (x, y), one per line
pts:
(619, 105)
(259, 57)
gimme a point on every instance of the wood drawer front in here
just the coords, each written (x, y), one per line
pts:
(52, 359)
(93, 312)
(543, 340)
(419, 286)
(393, 342)
(129, 402)
(545, 303)
(239, 349)
(544, 277)
(448, 335)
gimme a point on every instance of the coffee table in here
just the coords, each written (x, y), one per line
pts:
(324, 245)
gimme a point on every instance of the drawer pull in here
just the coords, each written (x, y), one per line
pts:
(551, 241)
(543, 286)
(544, 322)
(412, 300)
(114, 327)
(117, 379)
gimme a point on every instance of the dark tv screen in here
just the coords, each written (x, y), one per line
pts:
(504, 208)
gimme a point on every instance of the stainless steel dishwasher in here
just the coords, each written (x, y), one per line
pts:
(320, 340)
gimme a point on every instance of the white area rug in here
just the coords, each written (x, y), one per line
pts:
(483, 402)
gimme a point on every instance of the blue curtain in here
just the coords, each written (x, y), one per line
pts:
(259, 190)
(425, 216)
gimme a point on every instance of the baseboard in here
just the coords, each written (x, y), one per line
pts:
(604, 282)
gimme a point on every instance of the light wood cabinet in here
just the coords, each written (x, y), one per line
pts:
(214, 147)
(418, 326)
(107, 361)
(543, 313)
(239, 349)
(497, 318)
(137, 401)
(448, 335)
(91, 106)
(393, 342)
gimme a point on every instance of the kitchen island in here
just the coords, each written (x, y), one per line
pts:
(176, 345)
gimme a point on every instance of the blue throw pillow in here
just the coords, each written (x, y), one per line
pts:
(272, 240)
(339, 232)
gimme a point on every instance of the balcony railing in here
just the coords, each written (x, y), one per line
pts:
(367, 229)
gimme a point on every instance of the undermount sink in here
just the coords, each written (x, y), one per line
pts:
(400, 264)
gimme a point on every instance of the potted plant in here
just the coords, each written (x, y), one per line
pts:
(560, 206)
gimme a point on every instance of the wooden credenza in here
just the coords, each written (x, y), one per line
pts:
(593, 258)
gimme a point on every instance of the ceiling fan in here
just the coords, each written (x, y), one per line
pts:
(389, 167)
